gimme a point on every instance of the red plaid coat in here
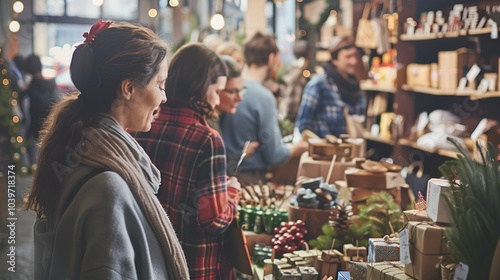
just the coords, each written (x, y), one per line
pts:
(192, 161)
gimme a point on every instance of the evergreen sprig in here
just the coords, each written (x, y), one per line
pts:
(474, 208)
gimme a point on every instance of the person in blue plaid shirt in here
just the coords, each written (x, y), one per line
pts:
(326, 95)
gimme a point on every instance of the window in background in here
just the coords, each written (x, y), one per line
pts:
(48, 7)
(120, 9)
(84, 9)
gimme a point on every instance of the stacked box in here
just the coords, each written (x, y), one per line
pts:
(415, 216)
(437, 209)
(386, 271)
(357, 269)
(453, 65)
(381, 251)
(427, 245)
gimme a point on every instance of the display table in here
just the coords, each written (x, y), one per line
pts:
(311, 168)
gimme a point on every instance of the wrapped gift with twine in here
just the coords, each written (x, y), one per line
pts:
(354, 253)
(427, 245)
(330, 261)
(386, 271)
(357, 269)
(310, 256)
(415, 216)
(383, 249)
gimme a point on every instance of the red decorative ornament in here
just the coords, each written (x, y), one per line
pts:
(96, 29)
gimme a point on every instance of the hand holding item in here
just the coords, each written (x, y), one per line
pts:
(252, 147)
(232, 182)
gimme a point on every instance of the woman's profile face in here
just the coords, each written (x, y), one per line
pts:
(231, 95)
(213, 91)
(145, 101)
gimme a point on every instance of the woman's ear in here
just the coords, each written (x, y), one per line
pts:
(126, 88)
(271, 59)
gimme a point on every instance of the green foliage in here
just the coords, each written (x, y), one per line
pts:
(374, 220)
(474, 208)
(286, 127)
(378, 212)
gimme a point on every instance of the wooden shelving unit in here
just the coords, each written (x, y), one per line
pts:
(413, 145)
(473, 94)
(410, 101)
(368, 85)
(369, 137)
(434, 36)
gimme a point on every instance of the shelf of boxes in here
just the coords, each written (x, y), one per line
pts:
(473, 94)
(433, 36)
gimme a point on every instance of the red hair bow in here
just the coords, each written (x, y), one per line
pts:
(96, 29)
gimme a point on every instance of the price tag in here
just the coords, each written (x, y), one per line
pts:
(404, 247)
(461, 271)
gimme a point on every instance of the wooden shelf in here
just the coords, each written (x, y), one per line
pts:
(473, 94)
(368, 85)
(419, 37)
(414, 145)
(456, 34)
(492, 94)
(369, 137)
(427, 90)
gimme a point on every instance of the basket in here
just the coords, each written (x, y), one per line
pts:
(314, 219)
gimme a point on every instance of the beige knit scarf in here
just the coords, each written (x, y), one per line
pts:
(110, 147)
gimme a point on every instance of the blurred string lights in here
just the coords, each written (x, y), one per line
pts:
(9, 100)
(14, 25)
(217, 21)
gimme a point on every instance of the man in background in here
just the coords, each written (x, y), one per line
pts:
(257, 118)
(327, 95)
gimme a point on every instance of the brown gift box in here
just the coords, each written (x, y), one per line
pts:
(351, 251)
(427, 244)
(415, 216)
(452, 66)
(386, 271)
(358, 178)
(418, 75)
(360, 195)
(311, 168)
(320, 149)
(332, 260)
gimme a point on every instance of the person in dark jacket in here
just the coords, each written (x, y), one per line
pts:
(41, 93)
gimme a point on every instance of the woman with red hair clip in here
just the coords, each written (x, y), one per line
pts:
(94, 189)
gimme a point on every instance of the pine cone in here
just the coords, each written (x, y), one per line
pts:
(341, 222)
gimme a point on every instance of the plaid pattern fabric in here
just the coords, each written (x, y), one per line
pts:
(321, 109)
(191, 158)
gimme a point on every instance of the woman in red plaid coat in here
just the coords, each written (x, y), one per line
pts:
(196, 193)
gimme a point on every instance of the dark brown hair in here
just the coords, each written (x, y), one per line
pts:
(122, 51)
(258, 49)
(193, 68)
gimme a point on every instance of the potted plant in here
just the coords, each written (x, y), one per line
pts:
(474, 208)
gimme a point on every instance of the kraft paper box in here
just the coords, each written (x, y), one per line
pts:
(360, 195)
(359, 178)
(289, 274)
(332, 260)
(436, 204)
(418, 75)
(380, 251)
(311, 168)
(309, 256)
(357, 269)
(386, 271)
(415, 216)
(427, 244)
(320, 149)
(308, 273)
(453, 65)
(352, 252)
